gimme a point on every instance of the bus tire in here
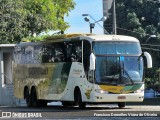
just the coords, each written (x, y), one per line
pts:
(67, 104)
(27, 98)
(121, 104)
(42, 103)
(35, 102)
(78, 99)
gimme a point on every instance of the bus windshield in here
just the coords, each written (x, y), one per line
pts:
(117, 48)
(114, 70)
(118, 63)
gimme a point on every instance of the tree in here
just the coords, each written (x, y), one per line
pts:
(138, 18)
(11, 21)
(22, 18)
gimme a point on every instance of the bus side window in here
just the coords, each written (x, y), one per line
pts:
(78, 51)
(38, 54)
(68, 51)
(73, 51)
(21, 57)
(44, 54)
(47, 53)
(59, 53)
(27, 55)
(17, 57)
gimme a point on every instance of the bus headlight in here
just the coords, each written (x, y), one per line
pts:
(101, 91)
(139, 91)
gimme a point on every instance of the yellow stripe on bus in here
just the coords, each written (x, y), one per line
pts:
(114, 89)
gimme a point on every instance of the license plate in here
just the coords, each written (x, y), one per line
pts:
(121, 97)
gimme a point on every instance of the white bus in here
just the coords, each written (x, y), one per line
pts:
(80, 68)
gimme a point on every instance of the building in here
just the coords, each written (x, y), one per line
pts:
(6, 82)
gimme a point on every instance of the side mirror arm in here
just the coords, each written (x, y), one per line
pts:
(149, 59)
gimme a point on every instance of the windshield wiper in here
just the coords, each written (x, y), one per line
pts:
(128, 76)
(115, 77)
(124, 71)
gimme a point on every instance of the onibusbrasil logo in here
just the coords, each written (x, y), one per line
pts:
(21, 115)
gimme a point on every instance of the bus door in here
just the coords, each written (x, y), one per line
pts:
(89, 74)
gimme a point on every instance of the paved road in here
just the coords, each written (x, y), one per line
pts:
(91, 112)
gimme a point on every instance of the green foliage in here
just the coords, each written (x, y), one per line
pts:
(151, 29)
(141, 31)
(150, 83)
(35, 39)
(158, 71)
(137, 16)
(133, 21)
(151, 77)
(11, 26)
(19, 19)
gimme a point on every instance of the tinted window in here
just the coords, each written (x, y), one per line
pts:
(116, 48)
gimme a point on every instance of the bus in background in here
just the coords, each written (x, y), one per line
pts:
(80, 68)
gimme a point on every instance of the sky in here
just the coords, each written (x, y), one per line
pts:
(76, 20)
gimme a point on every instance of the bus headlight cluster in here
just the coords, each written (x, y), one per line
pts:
(139, 91)
(101, 91)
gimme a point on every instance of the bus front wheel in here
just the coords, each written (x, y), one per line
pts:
(67, 104)
(121, 104)
(78, 99)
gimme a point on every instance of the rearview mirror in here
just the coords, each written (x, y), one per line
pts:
(92, 62)
(149, 59)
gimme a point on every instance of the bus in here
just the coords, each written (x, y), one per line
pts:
(78, 69)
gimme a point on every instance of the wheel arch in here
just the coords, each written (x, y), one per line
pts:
(76, 90)
(34, 87)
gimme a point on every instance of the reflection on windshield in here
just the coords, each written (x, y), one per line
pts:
(114, 70)
(117, 48)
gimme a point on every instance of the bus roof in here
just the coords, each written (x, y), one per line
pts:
(93, 37)
(89, 37)
(110, 38)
